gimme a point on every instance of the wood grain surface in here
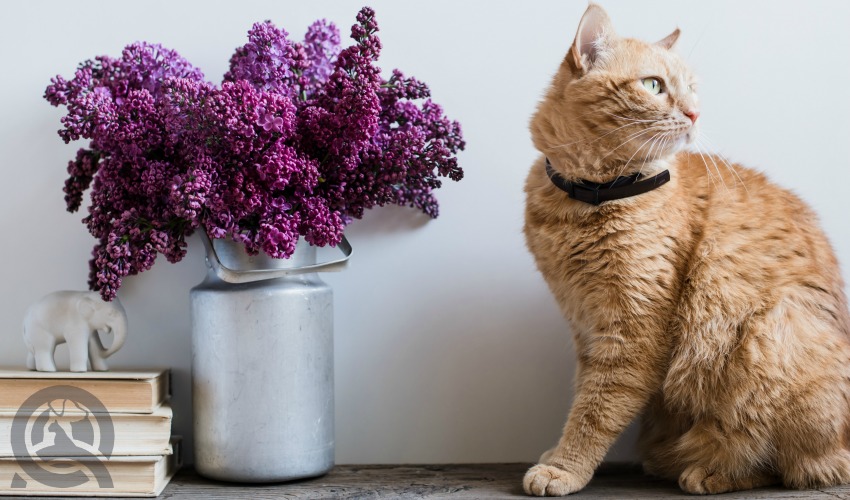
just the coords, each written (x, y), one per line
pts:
(464, 481)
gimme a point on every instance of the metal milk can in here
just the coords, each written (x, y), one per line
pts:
(262, 365)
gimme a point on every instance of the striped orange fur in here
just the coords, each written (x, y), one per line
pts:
(713, 306)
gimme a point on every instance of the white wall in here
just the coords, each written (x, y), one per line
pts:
(449, 347)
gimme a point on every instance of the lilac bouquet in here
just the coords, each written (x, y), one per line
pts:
(298, 140)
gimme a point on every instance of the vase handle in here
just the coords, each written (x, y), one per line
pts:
(228, 275)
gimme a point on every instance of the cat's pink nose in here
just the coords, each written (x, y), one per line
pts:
(693, 114)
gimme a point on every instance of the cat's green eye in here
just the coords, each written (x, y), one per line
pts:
(652, 85)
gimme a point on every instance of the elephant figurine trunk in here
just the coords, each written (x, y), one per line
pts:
(78, 318)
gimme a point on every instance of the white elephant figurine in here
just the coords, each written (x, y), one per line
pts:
(78, 318)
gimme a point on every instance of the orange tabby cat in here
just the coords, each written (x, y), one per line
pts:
(712, 304)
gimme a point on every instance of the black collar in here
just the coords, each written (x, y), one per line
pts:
(595, 193)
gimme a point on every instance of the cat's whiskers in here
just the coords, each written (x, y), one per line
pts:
(717, 168)
(631, 119)
(708, 144)
(709, 162)
(636, 151)
(648, 155)
(656, 154)
(653, 138)
(666, 138)
(708, 179)
(705, 164)
(662, 143)
(592, 140)
(723, 160)
(632, 137)
(709, 165)
(714, 163)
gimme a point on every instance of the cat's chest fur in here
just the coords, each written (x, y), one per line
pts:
(608, 266)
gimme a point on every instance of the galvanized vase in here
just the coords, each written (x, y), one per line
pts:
(262, 365)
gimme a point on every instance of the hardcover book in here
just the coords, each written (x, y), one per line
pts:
(134, 433)
(90, 476)
(118, 391)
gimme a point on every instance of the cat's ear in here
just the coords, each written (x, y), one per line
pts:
(594, 36)
(670, 40)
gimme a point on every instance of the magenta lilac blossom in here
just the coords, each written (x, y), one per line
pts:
(298, 140)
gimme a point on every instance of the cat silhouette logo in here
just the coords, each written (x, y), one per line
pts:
(60, 437)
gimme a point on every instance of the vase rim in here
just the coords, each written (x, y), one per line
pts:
(234, 255)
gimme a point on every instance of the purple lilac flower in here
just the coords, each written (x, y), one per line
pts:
(299, 140)
(321, 47)
(81, 172)
(265, 61)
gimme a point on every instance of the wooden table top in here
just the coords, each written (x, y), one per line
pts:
(458, 481)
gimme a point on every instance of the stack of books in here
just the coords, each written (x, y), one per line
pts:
(86, 434)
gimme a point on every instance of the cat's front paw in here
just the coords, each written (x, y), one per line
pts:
(548, 480)
(698, 480)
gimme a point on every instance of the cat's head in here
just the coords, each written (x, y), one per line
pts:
(616, 104)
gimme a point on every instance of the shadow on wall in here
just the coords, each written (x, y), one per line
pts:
(476, 366)
(157, 304)
(390, 219)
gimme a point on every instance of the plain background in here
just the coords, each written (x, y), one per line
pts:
(449, 347)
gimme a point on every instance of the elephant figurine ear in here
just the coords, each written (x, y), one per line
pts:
(86, 306)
